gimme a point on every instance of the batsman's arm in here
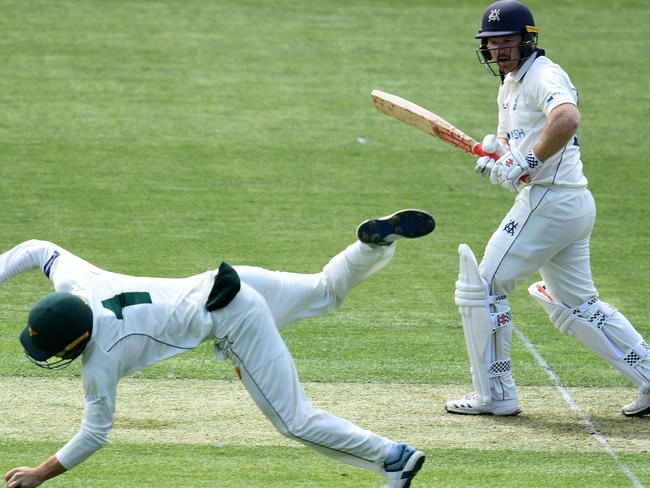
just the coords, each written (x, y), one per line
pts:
(26, 477)
(561, 125)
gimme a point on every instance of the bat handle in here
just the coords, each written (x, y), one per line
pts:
(478, 150)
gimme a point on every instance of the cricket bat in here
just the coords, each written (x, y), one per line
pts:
(423, 119)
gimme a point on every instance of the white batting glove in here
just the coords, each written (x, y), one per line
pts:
(484, 166)
(490, 145)
(512, 167)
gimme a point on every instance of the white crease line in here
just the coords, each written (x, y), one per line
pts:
(584, 418)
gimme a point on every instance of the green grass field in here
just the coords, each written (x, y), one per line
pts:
(161, 137)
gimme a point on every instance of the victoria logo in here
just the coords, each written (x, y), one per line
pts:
(495, 15)
(511, 227)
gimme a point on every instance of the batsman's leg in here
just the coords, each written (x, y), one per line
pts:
(488, 336)
(608, 333)
(247, 334)
(568, 281)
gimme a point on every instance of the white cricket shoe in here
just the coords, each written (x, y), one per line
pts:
(470, 405)
(639, 407)
(401, 466)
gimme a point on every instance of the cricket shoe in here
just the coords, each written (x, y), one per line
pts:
(401, 466)
(383, 231)
(639, 407)
(471, 405)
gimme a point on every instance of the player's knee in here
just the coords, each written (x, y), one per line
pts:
(327, 289)
(299, 424)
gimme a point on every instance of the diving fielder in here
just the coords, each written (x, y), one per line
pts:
(547, 229)
(122, 324)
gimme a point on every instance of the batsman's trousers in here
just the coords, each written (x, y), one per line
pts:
(547, 229)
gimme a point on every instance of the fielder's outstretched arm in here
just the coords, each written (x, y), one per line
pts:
(26, 477)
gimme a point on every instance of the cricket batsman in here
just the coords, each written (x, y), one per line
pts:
(547, 229)
(120, 324)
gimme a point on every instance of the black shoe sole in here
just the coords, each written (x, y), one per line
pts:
(405, 223)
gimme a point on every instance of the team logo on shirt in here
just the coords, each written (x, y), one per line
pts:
(511, 227)
(495, 15)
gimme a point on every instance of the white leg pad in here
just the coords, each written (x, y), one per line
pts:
(604, 330)
(472, 299)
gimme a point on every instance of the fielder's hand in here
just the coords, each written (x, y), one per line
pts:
(490, 145)
(23, 477)
(512, 167)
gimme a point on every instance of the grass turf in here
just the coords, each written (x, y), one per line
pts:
(161, 137)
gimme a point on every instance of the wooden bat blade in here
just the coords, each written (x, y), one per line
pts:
(412, 114)
(425, 120)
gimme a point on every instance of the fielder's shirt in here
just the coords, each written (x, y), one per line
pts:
(137, 322)
(525, 101)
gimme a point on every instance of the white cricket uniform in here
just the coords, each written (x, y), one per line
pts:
(549, 226)
(547, 230)
(141, 321)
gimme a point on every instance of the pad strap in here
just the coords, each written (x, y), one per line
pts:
(638, 352)
(503, 317)
(500, 368)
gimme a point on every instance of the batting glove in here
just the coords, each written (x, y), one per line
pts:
(512, 167)
(484, 166)
(490, 145)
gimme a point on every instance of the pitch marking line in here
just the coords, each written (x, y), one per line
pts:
(584, 418)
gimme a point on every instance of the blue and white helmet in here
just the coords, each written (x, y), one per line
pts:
(504, 18)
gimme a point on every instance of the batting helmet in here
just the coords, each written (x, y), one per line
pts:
(59, 324)
(505, 18)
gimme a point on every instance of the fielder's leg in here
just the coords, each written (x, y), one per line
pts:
(247, 334)
(293, 296)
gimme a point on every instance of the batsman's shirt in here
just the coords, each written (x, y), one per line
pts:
(525, 101)
(137, 322)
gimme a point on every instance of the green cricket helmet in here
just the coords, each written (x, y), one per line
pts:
(59, 325)
(506, 18)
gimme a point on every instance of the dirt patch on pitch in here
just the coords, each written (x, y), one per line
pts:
(221, 412)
